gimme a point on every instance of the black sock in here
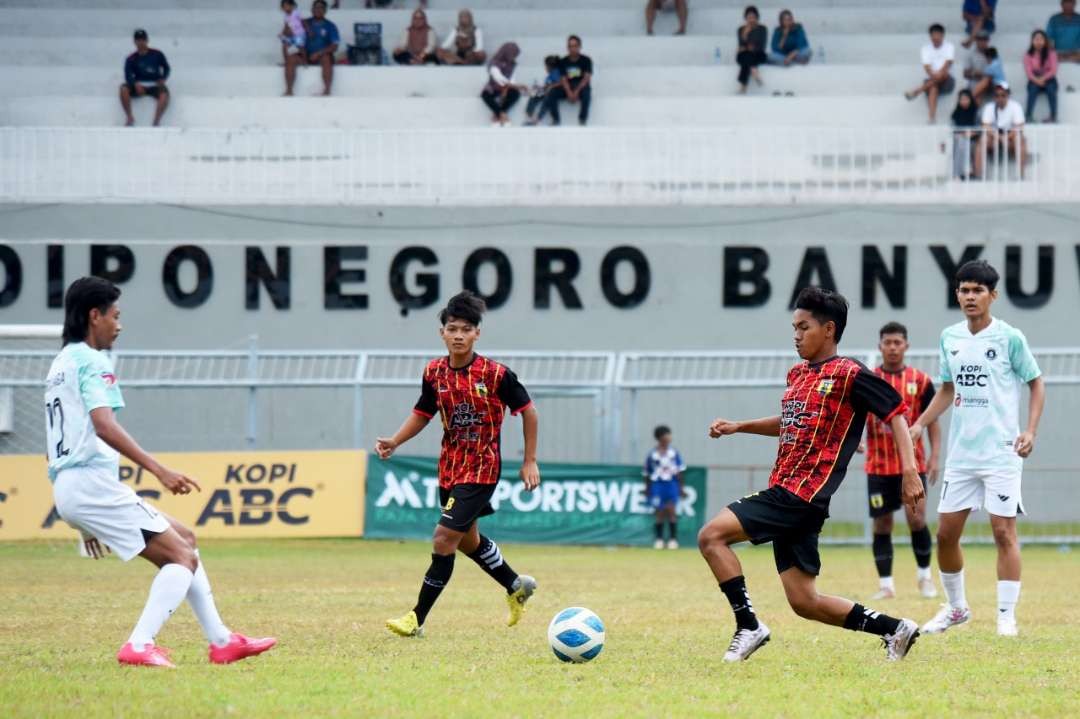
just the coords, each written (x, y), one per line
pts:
(438, 574)
(490, 559)
(883, 554)
(658, 527)
(861, 619)
(672, 528)
(922, 545)
(735, 591)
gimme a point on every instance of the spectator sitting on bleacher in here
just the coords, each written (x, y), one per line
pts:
(145, 73)
(937, 60)
(653, 6)
(1040, 65)
(752, 39)
(500, 93)
(418, 42)
(465, 43)
(322, 42)
(1064, 32)
(536, 107)
(975, 67)
(965, 121)
(995, 69)
(293, 39)
(1003, 130)
(789, 42)
(575, 85)
(978, 15)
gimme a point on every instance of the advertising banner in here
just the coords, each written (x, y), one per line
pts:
(575, 503)
(244, 494)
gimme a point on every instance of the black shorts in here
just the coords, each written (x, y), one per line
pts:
(463, 504)
(883, 493)
(791, 523)
(151, 90)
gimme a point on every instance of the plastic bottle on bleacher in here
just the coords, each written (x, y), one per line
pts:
(716, 56)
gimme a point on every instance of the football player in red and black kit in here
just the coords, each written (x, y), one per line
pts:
(470, 393)
(821, 421)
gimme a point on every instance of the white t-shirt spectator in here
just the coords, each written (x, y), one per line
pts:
(1009, 117)
(451, 40)
(936, 57)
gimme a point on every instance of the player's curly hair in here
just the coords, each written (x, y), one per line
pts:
(465, 305)
(825, 306)
(85, 294)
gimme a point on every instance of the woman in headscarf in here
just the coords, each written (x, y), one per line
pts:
(465, 43)
(500, 93)
(417, 42)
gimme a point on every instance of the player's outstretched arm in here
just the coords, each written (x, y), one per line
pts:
(766, 426)
(530, 428)
(1026, 441)
(413, 424)
(942, 399)
(911, 487)
(112, 434)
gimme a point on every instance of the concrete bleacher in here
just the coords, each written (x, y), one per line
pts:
(62, 62)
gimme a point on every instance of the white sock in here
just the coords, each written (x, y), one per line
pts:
(201, 599)
(922, 573)
(954, 589)
(1008, 595)
(166, 593)
(886, 583)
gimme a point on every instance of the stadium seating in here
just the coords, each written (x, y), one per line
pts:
(62, 62)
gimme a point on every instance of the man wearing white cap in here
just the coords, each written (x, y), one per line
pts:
(1003, 129)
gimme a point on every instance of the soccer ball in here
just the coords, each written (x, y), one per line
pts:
(576, 635)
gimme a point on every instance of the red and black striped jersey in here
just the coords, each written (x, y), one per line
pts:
(822, 415)
(917, 389)
(471, 401)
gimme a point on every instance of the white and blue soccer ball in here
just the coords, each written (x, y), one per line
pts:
(576, 635)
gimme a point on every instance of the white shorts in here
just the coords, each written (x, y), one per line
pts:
(997, 489)
(94, 501)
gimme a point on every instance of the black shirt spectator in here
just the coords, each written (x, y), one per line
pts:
(145, 73)
(752, 39)
(146, 68)
(575, 84)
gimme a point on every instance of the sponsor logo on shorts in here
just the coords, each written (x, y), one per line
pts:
(1003, 497)
(877, 501)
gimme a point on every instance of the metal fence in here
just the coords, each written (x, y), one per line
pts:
(595, 407)
(530, 167)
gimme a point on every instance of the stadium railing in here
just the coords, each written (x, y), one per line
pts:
(595, 407)
(526, 166)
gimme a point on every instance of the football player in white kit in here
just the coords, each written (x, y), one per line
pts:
(984, 363)
(84, 444)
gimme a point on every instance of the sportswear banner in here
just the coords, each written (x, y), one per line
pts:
(575, 503)
(244, 494)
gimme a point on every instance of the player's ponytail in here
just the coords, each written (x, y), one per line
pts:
(85, 294)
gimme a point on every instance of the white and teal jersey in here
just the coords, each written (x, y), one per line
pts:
(988, 371)
(80, 380)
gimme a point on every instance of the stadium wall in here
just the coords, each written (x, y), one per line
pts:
(586, 278)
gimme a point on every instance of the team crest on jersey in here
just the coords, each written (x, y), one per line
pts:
(991, 353)
(481, 389)
(109, 377)
(825, 387)
(912, 388)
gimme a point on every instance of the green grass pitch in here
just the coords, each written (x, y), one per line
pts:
(667, 627)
